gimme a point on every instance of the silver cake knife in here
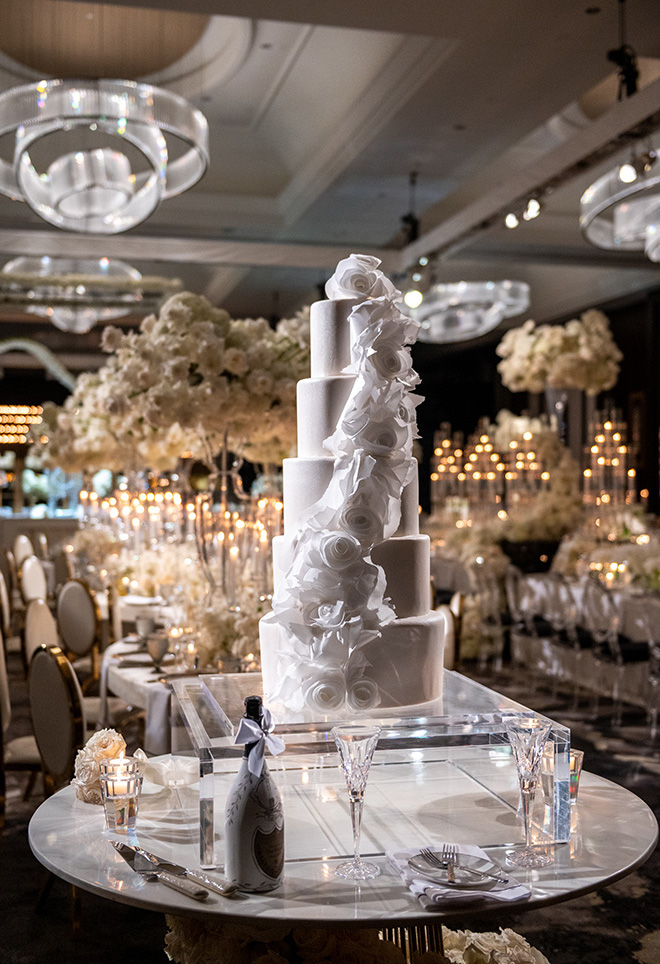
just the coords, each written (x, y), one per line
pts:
(146, 868)
(224, 889)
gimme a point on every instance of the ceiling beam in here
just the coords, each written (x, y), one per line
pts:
(181, 250)
(570, 158)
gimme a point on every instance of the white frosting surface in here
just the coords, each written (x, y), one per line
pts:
(406, 563)
(320, 404)
(330, 336)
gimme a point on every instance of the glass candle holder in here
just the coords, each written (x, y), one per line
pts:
(121, 782)
(576, 761)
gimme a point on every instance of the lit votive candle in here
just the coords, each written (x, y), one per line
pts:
(121, 782)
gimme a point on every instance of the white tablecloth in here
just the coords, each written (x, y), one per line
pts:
(138, 686)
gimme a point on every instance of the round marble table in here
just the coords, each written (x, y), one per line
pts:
(614, 833)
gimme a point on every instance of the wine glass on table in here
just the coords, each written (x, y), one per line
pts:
(157, 646)
(527, 736)
(356, 745)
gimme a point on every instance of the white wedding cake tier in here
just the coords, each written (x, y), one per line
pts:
(352, 632)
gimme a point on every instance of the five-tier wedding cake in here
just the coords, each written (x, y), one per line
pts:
(351, 632)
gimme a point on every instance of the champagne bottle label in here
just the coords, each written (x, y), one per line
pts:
(269, 851)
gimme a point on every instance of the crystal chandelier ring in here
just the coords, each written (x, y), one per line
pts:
(134, 113)
(614, 213)
(93, 190)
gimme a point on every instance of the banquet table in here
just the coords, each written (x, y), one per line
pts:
(128, 672)
(613, 833)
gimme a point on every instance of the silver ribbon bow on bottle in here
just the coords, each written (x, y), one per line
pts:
(261, 735)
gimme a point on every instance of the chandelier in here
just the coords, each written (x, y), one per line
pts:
(75, 294)
(617, 209)
(468, 309)
(96, 155)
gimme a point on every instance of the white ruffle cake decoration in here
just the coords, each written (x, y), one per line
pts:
(332, 600)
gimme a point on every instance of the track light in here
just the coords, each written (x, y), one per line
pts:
(532, 210)
(511, 220)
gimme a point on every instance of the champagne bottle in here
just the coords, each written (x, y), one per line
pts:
(254, 818)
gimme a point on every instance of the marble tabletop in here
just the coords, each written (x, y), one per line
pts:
(613, 833)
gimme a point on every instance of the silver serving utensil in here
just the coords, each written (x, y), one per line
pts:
(143, 866)
(225, 890)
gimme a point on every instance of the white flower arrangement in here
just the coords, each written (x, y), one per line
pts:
(191, 941)
(102, 745)
(187, 379)
(580, 354)
(332, 602)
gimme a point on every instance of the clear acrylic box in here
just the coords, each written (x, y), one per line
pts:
(450, 776)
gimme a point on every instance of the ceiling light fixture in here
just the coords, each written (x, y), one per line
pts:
(76, 294)
(511, 220)
(468, 309)
(616, 208)
(95, 156)
(532, 210)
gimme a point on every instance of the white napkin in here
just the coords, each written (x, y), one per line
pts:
(172, 771)
(430, 892)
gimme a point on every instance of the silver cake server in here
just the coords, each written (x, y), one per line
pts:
(146, 868)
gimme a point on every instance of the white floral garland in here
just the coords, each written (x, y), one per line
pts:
(333, 598)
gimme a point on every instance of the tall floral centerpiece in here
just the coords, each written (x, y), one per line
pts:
(580, 354)
(187, 381)
(557, 358)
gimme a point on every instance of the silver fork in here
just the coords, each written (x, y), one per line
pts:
(448, 861)
(449, 858)
(444, 862)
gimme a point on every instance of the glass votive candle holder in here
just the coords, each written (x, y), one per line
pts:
(121, 782)
(576, 761)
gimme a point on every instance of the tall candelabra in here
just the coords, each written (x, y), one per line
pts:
(609, 475)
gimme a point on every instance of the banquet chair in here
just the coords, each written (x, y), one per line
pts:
(58, 715)
(80, 631)
(62, 567)
(17, 754)
(12, 640)
(22, 549)
(59, 724)
(32, 580)
(531, 633)
(569, 638)
(40, 628)
(43, 547)
(79, 625)
(651, 618)
(611, 647)
(487, 592)
(12, 579)
(457, 607)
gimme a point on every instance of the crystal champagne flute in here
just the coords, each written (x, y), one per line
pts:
(356, 745)
(527, 736)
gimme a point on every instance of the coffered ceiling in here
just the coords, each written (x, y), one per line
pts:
(319, 112)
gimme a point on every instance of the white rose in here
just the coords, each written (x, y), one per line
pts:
(102, 745)
(358, 276)
(382, 439)
(235, 361)
(363, 694)
(339, 551)
(391, 361)
(361, 522)
(325, 615)
(326, 692)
